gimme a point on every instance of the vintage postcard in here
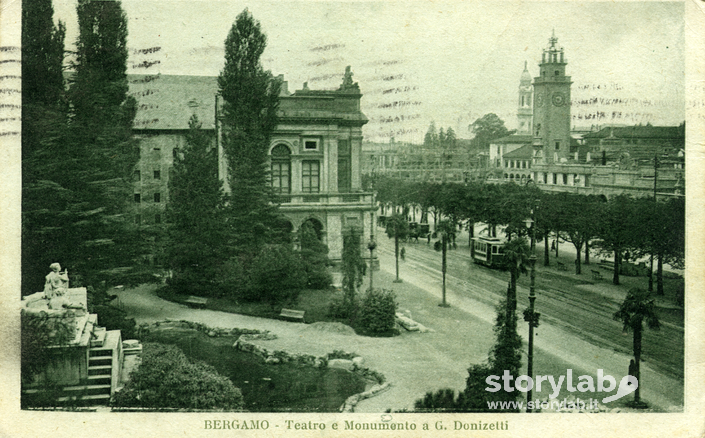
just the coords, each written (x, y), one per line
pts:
(367, 218)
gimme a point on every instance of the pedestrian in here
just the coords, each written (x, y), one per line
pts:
(553, 245)
(403, 253)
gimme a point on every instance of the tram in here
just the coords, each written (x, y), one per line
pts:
(488, 251)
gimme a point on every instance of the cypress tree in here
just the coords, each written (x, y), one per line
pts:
(44, 116)
(250, 100)
(196, 223)
(104, 244)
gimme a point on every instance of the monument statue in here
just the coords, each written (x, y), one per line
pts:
(56, 286)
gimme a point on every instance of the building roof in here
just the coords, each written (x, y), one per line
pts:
(514, 138)
(168, 101)
(639, 131)
(523, 153)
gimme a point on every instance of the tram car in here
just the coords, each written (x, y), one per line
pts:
(488, 251)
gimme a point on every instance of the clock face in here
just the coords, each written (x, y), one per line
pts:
(558, 99)
(539, 100)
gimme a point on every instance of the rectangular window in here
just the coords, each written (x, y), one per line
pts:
(310, 175)
(137, 198)
(344, 166)
(137, 176)
(157, 197)
(281, 176)
(555, 178)
(545, 178)
(157, 174)
(565, 179)
(310, 145)
(558, 145)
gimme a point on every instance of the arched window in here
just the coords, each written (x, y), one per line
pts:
(281, 169)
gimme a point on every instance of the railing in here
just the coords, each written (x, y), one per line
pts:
(325, 198)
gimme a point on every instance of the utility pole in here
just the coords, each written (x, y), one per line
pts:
(651, 271)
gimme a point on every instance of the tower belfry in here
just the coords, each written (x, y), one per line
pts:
(551, 115)
(525, 111)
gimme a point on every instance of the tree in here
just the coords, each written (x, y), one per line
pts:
(662, 234)
(353, 272)
(446, 230)
(576, 219)
(637, 309)
(516, 259)
(487, 128)
(314, 256)
(397, 228)
(250, 101)
(80, 174)
(44, 124)
(195, 215)
(618, 229)
(105, 241)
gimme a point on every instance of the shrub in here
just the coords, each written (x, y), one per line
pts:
(377, 312)
(167, 379)
(277, 275)
(443, 400)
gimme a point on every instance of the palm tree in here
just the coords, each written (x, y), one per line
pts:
(398, 228)
(446, 231)
(636, 309)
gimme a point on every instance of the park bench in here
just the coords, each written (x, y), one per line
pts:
(561, 266)
(596, 275)
(297, 315)
(196, 301)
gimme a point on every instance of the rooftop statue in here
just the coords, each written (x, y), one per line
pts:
(348, 84)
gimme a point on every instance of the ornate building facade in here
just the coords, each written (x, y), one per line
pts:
(315, 152)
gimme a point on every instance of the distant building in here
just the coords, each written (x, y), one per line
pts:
(315, 152)
(517, 164)
(635, 160)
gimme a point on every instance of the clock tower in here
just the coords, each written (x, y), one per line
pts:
(551, 130)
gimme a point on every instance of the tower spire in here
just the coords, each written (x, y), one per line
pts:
(553, 40)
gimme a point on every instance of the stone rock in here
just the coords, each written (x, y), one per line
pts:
(212, 333)
(272, 360)
(318, 363)
(358, 361)
(343, 364)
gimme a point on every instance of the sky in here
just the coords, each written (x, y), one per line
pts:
(423, 61)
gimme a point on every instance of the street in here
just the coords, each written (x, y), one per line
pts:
(576, 328)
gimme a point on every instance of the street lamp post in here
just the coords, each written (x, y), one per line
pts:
(371, 245)
(530, 315)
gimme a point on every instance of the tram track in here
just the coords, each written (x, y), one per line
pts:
(560, 301)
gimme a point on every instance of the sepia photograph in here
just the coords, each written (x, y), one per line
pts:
(378, 218)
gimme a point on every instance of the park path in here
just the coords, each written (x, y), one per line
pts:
(415, 363)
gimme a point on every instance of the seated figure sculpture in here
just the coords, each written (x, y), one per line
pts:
(56, 286)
